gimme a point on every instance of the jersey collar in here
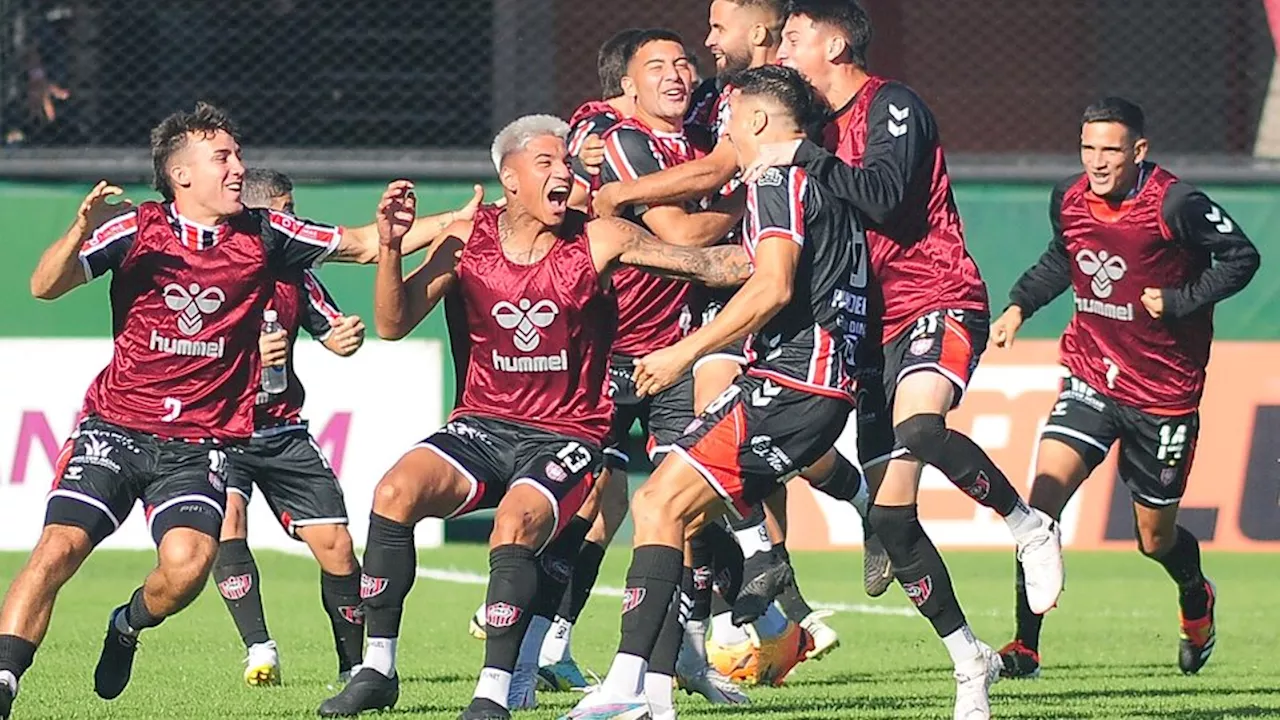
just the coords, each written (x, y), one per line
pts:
(193, 235)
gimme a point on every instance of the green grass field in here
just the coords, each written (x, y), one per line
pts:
(1111, 646)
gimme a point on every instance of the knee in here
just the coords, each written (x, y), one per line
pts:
(60, 551)
(523, 526)
(331, 545)
(186, 557)
(895, 526)
(923, 435)
(394, 497)
(652, 503)
(1155, 543)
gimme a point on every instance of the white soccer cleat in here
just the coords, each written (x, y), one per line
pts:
(974, 679)
(824, 636)
(1041, 557)
(601, 704)
(523, 693)
(262, 666)
(710, 684)
(476, 625)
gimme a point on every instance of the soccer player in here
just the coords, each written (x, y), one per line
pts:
(1147, 256)
(529, 307)
(191, 278)
(804, 308)
(589, 121)
(295, 477)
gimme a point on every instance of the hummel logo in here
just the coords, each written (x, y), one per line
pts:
(191, 303)
(765, 394)
(1222, 223)
(525, 320)
(898, 128)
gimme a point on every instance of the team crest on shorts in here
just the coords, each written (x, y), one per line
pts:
(920, 346)
(236, 586)
(1168, 476)
(631, 599)
(555, 472)
(501, 615)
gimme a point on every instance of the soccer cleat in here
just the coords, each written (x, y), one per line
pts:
(562, 676)
(367, 690)
(486, 709)
(877, 572)
(603, 705)
(262, 666)
(1019, 661)
(824, 636)
(769, 573)
(974, 679)
(1041, 559)
(710, 684)
(7, 694)
(476, 627)
(115, 664)
(779, 655)
(522, 694)
(1196, 638)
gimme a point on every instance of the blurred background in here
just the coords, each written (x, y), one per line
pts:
(345, 95)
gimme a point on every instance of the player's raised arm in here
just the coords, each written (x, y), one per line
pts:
(616, 242)
(1044, 281)
(686, 181)
(96, 242)
(361, 243)
(401, 303)
(1195, 220)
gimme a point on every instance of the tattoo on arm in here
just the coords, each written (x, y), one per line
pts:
(720, 266)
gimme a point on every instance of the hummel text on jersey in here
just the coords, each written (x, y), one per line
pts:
(1108, 310)
(183, 346)
(531, 363)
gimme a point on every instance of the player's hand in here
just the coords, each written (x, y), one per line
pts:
(274, 348)
(605, 202)
(771, 155)
(1006, 326)
(95, 210)
(467, 212)
(41, 92)
(1153, 301)
(591, 155)
(347, 335)
(659, 370)
(396, 212)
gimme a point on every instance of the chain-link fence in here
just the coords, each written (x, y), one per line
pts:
(421, 76)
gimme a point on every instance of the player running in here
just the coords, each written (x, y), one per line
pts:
(191, 278)
(528, 291)
(1148, 256)
(804, 310)
(286, 464)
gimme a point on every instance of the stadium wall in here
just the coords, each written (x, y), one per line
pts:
(364, 418)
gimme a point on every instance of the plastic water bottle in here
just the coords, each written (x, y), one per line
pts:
(275, 378)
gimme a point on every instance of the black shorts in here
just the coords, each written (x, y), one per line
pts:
(294, 476)
(499, 454)
(757, 435)
(104, 469)
(1155, 450)
(948, 342)
(663, 417)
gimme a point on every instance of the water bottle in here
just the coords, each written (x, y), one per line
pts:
(274, 379)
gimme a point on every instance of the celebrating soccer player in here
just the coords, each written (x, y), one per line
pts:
(804, 306)
(191, 278)
(1148, 256)
(534, 321)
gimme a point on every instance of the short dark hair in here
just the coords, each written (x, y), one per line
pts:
(172, 134)
(611, 64)
(776, 8)
(846, 16)
(788, 88)
(260, 186)
(1117, 110)
(644, 37)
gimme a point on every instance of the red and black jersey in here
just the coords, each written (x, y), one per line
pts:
(811, 343)
(532, 341)
(187, 303)
(591, 118)
(1166, 235)
(888, 162)
(653, 312)
(300, 302)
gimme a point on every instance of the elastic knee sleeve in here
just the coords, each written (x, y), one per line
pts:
(923, 435)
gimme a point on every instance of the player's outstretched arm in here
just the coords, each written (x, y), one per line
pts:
(616, 243)
(762, 296)
(360, 244)
(686, 181)
(60, 269)
(1044, 281)
(1201, 224)
(341, 334)
(677, 226)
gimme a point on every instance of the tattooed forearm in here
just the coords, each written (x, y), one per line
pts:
(720, 266)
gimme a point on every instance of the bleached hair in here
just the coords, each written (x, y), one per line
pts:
(517, 134)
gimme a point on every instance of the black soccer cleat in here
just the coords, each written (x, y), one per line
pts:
(115, 664)
(1019, 661)
(6, 702)
(367, 690)
(484, 709)
(769, 574)
(1196, 636)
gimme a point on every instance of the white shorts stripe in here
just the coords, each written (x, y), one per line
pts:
(1069, 432)
(555, 506)
(475, 484)
(711, 479)
(87, 500)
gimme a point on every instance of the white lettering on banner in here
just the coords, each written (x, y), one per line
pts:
(993, 432)
(43, 382)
